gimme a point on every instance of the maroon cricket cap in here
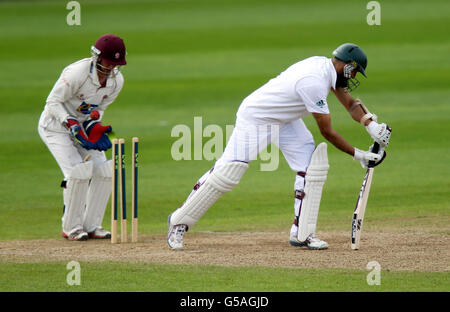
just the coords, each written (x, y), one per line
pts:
(112, 49)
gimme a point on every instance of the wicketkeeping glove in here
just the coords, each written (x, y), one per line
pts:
(364, 157)
(78, 133)
(97, 134)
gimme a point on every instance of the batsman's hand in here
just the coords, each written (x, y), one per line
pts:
(365, 156)
(380, 133)
(78, 133)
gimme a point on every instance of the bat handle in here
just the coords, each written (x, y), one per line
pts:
(375, 149)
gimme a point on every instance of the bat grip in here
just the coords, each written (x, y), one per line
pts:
(375, 149)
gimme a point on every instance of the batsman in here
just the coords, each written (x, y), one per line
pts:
(70, 127)
(273, 114)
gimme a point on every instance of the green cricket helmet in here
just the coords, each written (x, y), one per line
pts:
(352, 54)
(354, 58)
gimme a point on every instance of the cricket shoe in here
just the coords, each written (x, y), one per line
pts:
(100, 233)
(175, 235)
(293, 241)
(312, 242)
(76, 235)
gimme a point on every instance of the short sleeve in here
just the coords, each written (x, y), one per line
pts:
(313, 93)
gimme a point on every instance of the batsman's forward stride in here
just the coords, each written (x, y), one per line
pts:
(282, 102)
(70, 127)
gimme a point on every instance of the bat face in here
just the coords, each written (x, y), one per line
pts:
(356, 226)
(360, 208)
(361, 203)
(354, 221)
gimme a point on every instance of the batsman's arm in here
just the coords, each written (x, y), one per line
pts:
(379, 132)
(331, 135)
(354, 108)
(324, 123)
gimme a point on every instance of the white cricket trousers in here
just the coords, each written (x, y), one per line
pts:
(69, 154)
(247, 140)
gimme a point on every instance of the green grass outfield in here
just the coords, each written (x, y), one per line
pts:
(201, 58)
(105, 277)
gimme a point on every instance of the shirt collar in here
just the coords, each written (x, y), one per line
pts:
(94, 76)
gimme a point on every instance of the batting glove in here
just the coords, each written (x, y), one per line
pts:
(365, 156)
(380, 133)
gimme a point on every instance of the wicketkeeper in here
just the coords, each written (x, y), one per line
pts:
(273, 114)
(70, 127)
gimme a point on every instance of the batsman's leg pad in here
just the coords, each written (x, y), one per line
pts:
(316, 175)
(98, 196)
(75, 196)
(218, 183)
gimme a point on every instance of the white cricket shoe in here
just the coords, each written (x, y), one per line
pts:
(175, 235)
(76, 235)
(100, 233)
(293, 241)
(312, 242)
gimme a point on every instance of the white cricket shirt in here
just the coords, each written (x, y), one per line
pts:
(76, 93)
(301, 89)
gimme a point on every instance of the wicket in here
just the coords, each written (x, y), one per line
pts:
(119, 188)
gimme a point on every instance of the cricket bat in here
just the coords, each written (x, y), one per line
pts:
(361, 203)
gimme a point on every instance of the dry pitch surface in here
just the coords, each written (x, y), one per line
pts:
(394, 251)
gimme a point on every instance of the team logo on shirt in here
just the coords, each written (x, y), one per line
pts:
(86, 108)
(321, 103)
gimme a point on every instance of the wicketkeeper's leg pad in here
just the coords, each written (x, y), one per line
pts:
(75, 196)
(98, 196)
(316, 175)
(218, 183)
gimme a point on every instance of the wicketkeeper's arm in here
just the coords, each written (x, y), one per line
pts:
(63, 90)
